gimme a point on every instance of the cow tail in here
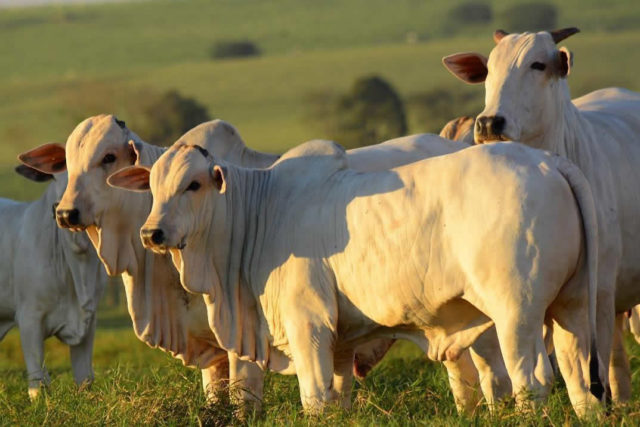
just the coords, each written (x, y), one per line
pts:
(582, 193)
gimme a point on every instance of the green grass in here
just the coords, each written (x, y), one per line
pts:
(138, 385)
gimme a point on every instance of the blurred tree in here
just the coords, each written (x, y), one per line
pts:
(369, 113)
(163, 119)
(470, 13)
(233, 49)
(431, 110)
(529, 17)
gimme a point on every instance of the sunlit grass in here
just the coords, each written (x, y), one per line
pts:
(138, 385)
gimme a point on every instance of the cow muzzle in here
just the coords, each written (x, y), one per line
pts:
(152, 237)
(68, 218)
(490, 128)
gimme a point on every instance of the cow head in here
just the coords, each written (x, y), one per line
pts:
(97, 147)
(525, 85)
(77, 243)
(184, 187)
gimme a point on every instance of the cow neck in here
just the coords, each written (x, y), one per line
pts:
(50, 229)
(571, 136)
(232, 304)
(85, 279)
(242, 155)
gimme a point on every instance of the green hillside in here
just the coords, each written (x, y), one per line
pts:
(59, 65)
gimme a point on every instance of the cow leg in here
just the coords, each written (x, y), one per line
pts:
(311, 350)
(246, 383)
(463, 380)
(215, 378)
(32, 340)
(619, 370)
(634, 323)
(525, 356)
(343, 376)
(82, 356)
(605, 320)
(493, 376)
(572, 343)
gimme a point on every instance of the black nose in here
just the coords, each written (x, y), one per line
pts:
(156, 235)
(68, 217)
(490, 125)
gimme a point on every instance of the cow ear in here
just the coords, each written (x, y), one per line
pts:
(219, 178)
(135, 148)
(499, 35)
(468, 66)
(48, 158)
(33, 174)
(565, 61)
(132, 178)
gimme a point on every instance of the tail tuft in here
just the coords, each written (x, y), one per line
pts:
(596, 388)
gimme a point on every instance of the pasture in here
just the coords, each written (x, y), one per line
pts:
(59, 65)
(139, 385)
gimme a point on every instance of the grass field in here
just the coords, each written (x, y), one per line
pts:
(138, 385)
(59, 65)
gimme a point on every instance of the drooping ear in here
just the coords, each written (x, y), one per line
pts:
(499, 35)
(469, 67)
(48, 158)
(565, 61)
(132, 178)
(135, 148)
(219, 178)
(559, 35)
(33, 174)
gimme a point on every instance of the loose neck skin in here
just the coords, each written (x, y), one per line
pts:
(560, 137)
(217, 262)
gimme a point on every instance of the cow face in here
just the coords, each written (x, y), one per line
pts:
(97, 147)
(77, 242)
(181, 182)
(524, 82)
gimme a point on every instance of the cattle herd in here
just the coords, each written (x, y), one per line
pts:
(314, 262)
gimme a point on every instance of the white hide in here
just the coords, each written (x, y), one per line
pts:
(301, 262)
(50, 285)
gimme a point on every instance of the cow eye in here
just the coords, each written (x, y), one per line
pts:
(108, 158)
(538, 66)
(193, 186)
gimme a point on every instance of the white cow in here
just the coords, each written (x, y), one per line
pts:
(50, 282)
(102, 144)
(527, 99)
(301, 262)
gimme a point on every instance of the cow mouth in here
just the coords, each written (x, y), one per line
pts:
(163, 248)
(487, 138)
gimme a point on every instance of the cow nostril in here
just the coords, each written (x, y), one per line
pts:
(157, 236)
(497, 124)
(68, 217)
(73, 216)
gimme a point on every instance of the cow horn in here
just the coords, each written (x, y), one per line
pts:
(498, 35)
(559, 35)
